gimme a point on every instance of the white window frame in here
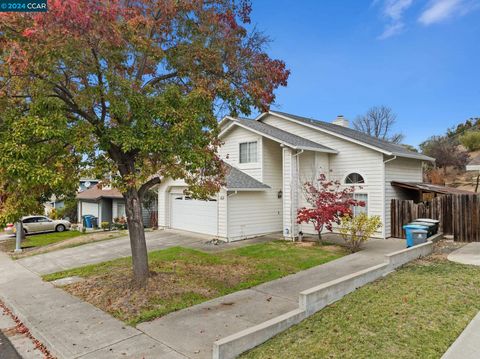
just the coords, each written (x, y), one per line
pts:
(357, 209)
(120, 204)
(354, 184)
(249, 160)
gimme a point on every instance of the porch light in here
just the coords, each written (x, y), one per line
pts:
(279, 194)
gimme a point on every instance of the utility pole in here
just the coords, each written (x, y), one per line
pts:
(18, 237)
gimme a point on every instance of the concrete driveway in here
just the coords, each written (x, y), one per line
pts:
(102, 251)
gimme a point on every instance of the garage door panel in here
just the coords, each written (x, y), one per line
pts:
(194, 215)
(90, 208)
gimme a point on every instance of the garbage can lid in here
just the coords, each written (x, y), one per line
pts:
(428, 220)
(414, 226)
(421, 223)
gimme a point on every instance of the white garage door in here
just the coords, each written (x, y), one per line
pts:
(194, 215)
(90, 208)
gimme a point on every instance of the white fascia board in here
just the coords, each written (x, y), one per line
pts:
(225, 120)
(226, 129)
(420, 157)
(275, 139)
(248, 189)
(306, 148)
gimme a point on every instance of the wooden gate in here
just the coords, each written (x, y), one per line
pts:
(459, 215)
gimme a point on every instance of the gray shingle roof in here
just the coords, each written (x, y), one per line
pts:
(394, 149)
(288, 138)
(237, 179)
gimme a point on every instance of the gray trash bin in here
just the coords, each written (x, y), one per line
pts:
(419, 236)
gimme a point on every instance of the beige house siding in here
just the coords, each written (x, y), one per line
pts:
(230, 151)
(251, 213)
(352, 157)
(399, 169)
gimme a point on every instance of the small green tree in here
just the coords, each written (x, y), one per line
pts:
(358, 229)
(471, 140)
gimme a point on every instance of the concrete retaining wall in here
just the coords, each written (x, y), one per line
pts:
(314, 299)
(399, 258)
(233, 345)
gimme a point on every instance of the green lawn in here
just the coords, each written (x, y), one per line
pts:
(40, 240)
(417, 312)
(183, 277)
(44, 239)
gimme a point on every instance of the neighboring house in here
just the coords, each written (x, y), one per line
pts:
(106, 204)
(270, 157)
(86, 183)
(58, 203)
(474, 164)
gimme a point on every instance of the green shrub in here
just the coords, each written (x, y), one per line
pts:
(471, 140)
(105, 225)
(359, 229)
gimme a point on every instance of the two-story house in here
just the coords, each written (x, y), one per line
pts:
(270, 158)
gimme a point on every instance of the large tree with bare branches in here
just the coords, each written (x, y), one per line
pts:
(378, 122)
(133, 88)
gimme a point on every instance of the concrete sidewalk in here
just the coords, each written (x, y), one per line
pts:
(69, 327)
(218, 318)
(467, 345)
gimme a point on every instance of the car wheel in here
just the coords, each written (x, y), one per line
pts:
(24, 232)
(60, 228)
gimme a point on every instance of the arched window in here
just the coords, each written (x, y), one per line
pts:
(354, 178)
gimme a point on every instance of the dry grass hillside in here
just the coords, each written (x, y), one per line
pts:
(458, 178)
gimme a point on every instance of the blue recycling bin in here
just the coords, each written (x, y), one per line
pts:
(87, 221)
(409, 229)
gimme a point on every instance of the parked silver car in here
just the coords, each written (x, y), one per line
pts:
(36, 224)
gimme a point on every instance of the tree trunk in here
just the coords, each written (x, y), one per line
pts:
(478, 182)
(320, 237)
(133, 209)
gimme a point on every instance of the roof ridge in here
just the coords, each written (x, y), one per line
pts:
(381, 144)
(341, 127)
(284, 136)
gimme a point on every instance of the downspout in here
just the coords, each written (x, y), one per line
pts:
(385, 193)
(227, 211)
(293, 207)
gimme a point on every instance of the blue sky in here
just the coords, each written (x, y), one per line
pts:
(419, 57)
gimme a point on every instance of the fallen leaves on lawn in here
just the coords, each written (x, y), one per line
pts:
(115, 293)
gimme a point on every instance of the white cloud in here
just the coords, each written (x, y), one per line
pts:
(393, 11)
(392, 30)
(441, 10)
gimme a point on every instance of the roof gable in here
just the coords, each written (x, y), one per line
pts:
(351, 135)
(95, 192)
(276, 134)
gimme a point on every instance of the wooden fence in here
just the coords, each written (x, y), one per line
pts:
(459, 215)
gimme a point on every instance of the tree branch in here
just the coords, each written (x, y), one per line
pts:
(147, 185)
(158, 79)
(101, 84)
